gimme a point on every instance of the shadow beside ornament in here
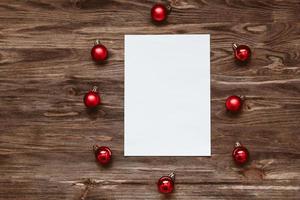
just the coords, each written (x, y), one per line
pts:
(163, 23)
(243, 63)
(94, 113)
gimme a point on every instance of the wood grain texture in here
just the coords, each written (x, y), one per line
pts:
(46, 134)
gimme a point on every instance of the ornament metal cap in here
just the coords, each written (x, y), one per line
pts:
(237, 144)
(95, 147)
(169, 8)
(97, 41)
(234, 46)
(172, 176)
(95, 88)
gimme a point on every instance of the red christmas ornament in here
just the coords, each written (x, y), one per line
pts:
(166, 184)
(160, 12)
(242, 53)
(103, 154)
(99, 52)
(233, 103)
(92, 98)
(240, 154)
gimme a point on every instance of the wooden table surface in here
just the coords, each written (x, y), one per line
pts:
(46, 134)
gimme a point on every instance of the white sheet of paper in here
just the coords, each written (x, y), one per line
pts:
(167, 95)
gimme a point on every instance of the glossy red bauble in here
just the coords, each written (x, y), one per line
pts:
(242, 53)
(92, 98)
(103, 154)
(240, 154)
(166, 184)
(233, 103)
(99, 52)
(159, 12)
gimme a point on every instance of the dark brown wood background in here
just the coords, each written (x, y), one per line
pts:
(46, 134)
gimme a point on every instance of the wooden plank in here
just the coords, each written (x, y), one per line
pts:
(46, 134)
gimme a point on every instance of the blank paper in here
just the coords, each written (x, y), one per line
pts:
(167, 95)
